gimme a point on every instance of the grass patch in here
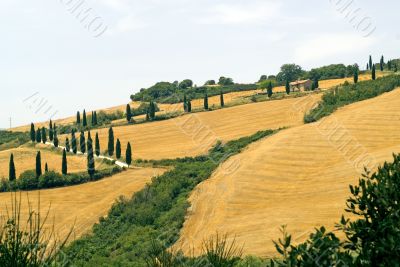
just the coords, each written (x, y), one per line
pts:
(126, 236)
(350, 93)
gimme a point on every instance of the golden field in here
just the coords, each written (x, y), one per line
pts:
(298, 177)
(81, 206)
(25, 158)
(193, 134)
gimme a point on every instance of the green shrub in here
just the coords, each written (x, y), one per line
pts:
(51, 179)
(28, 180)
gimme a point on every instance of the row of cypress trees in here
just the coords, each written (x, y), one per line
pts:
(84, 118)
(40, 135)
(38, 166)
(187, 103)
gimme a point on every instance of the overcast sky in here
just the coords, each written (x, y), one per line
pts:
(52, 54)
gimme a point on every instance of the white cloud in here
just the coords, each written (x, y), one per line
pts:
(326, 46)
(249, 13)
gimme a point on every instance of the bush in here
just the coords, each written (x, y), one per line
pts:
(28, 180)
(51, 179)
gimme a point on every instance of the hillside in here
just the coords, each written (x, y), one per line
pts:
(297, 177)
(194, 134)
(81, 206)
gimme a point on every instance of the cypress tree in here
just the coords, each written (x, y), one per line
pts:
(118, 149)
(152, 111)
(78, 117)
(185, 105)
(206, 101)
(316, 83)
(51, 131)
(128, 113)
(38, 165)
(38, 136)
(64, 163)
(46, 168)
(373, 72)
(33, 133)
(89, 144)
(55, 141)
(356, 76)
(90, 163)
(11, 173)
(287, 87)
(367, 66)
(97, 145)
(44, 136)
(73, 142)
(128, 154)
(82, 142)
(110, 142)
(221, 99)
(370, 63)
(67, 146)
(55, 138)
(189, 104)
(382, 63)
(269, 89)
(84, 121)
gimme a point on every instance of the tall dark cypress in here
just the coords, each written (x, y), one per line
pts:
(89, 143)
(370, 63)
(97, 145)
(90, 163)
(51, 131)
(221, 99)
(46, 168)
(118, 149)
(382, 63)
(78, 117)
(269, 89)
(44, 135)
(38, 165)
(287, 87)
(33, 133)
(373, 72)
(73, 142)
(55, 141)
(67, 146)
(95, 117)
(11, 173)
(206, 101)
(38, 136)
(316, 83)
(64, 163)
(110, 142)
(355, 76)
(84, 121)
(152, 110)
(82, 142)
(185, 104)
(128, 113)
(189, 105)
(128, 154)
(55, 137)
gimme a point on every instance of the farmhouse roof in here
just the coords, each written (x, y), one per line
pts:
(300, 82)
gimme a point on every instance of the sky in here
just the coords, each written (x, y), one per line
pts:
(60, 56)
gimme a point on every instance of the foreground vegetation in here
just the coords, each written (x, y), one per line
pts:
(154, 216)
(350, 93)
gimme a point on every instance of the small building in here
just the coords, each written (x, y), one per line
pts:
(301, 85)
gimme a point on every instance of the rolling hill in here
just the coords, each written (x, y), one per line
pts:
(297, 177)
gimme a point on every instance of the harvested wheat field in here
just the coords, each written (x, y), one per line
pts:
(298, 177)
(82, 205)
(25, 158)
(193, 134)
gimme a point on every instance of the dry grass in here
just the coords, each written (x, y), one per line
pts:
(82, 205)
(194, 134)
(297, 177)
(25, 158)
